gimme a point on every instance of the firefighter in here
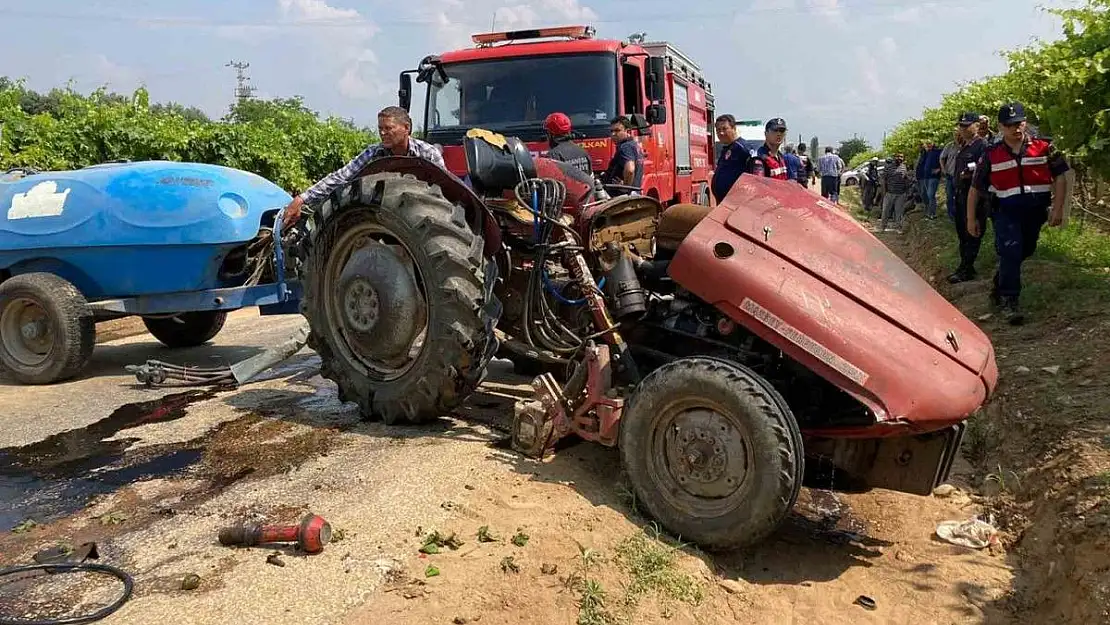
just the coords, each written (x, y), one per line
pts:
(769, 161)
(733, 160)
(1025, 175)
(561, 148)
(626, 167)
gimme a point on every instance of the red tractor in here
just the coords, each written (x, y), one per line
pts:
(732, 353)
(510, 81)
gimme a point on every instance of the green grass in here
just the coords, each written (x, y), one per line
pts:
(1069, 272)
(652, 567)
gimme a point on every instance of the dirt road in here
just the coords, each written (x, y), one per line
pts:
(556, 542)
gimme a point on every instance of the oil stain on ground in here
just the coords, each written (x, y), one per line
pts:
(57, 476)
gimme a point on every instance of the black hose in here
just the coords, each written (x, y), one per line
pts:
(128, 585)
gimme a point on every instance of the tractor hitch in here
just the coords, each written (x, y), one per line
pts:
(588, 406)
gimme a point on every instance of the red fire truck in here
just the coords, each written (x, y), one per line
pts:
(510, 81)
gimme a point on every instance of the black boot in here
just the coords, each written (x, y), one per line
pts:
(996, 299)
(962, 275)
(1010, 311)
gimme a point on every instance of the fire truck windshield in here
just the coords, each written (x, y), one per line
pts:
(516, 94)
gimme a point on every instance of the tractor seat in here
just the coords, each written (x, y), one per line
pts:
(676, 222)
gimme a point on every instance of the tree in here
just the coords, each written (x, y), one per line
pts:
(190, 113)
(1068, 90)
(852, 147)
(280, 140)
(1064, 85)
(814, 145)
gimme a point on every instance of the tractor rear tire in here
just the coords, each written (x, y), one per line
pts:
(713, 452)
(48, 307)
(449, 274)
(188, 329)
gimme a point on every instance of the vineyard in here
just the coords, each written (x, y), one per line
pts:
(1065, 86)
(279, 139)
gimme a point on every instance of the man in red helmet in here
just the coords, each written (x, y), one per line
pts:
(561, 148)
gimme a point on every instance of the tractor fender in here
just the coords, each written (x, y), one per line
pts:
(455, 190)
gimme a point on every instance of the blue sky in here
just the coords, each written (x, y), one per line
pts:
(831, 68)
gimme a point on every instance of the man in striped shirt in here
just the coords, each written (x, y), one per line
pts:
(896, 187)
(395, 129)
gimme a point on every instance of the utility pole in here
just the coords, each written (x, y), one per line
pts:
(243, 89)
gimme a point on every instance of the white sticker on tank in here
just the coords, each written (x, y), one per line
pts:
(41, 200)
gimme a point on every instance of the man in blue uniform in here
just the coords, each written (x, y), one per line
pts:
(1025, 177)
(769, 160)
(966, 160)
(734, 160)
(627, 165)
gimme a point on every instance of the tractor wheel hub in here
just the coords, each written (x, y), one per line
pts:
(706, 454)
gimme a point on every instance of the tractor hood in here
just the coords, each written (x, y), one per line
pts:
(822, 239)
(811, 280)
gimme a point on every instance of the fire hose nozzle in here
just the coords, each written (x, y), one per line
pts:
(311, 534)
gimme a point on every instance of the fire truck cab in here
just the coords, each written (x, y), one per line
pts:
(510, 81)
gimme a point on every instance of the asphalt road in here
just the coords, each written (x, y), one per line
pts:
(31, 413)
(174, 474)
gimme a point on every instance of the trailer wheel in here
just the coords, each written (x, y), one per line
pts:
(47, 331)
(399, 298)
(186, 329)
(712, 451)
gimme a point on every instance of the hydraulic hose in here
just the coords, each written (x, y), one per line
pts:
(123, 576)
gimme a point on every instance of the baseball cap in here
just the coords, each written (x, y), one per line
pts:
(776, 123)
(557, 124)
(1011, 113)
(968, 118)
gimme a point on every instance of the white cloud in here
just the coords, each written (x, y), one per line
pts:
(829, 10)
(768, 6)
(341, 39)
(888, 47)
(316, 11)
(452, 26)
(869, 70)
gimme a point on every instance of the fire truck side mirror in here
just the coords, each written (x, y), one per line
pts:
(656, 114)
(656, 79)
(404, 94)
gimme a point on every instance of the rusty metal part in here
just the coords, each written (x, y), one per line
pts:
(676, 222)
(606, 328)
(587, 406)
(311, 534)
(908, 464)
(624, 220)
(708, 456)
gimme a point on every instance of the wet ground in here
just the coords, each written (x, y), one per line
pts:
(152, 475)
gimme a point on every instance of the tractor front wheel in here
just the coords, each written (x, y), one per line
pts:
(712, 451)
(47, 331)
